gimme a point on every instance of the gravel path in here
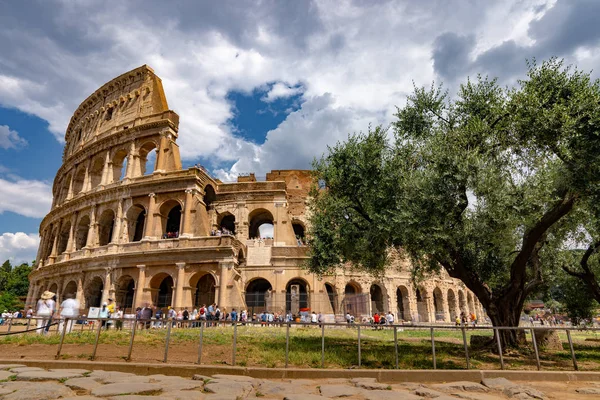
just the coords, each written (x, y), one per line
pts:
(18, 382)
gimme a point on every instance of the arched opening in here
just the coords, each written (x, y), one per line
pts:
(422, 310)
(96, 172)
(81, 234)
(403, 303)
(69, 291)
(164, 295)
(452, 305)
(227, 224)
(209, 196)
(54, 288)
(136, 220)
(299, 233)
(438, 304)
(462, 303)
(471, 308)
(49, 243)
(355, 302)
(125, 292)
(205, 291)
(258, 295)
(78, 181)
(376, 299)
(65, 190)
(119, 165)
(63, 238)
(332, 297)
(93, 292)
(106, 225)
(296, 296)
(261, 224)
(147, 158)
(171, 224)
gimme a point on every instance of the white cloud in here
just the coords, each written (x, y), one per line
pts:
(18, 247)
(29, 198)
(10, 139)
(355, 60)
(281, 90)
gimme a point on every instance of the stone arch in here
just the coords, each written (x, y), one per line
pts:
(355, 302)
(470, 305)
(78, 180)
(63, 238)
(136, 221)
(119, 164)
(95, 173)
(452, 305)
(258, 295)
(403, 303)
(65, 187)
(147, 159)
(438, 304)
(125, 292)
(422, 307)
(299, 231)
(256, 219)
(53, 288)
(226, 222)
(462, 302)
(377, 299)
(106, 226)
(170, 212)
(81, 234)
(297, 300)
(70, 289)
(331, 295)
(209, 196)
(93, 292)
(204, 284)
(50, 242)
(162, 289)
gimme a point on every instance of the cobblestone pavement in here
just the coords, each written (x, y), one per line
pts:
(18, 382)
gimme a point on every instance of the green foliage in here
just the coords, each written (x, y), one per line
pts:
(10, 302)
(491, 185)
(14, 280)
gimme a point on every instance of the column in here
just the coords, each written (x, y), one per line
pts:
(71, 241)
(55, 244)
(178, 303)
(165, 136)
(70, 192)
(87, 182)
(139, 286)
(224, 265)
(116, 235)
(130, 161)
(107, 171)
(430, 306)
(80, 296)
(30, 292)
(91, 237)
(148, 230)
(187, 213)
(445, 306)
(43, 238)
(107, 286)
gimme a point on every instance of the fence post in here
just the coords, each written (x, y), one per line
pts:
(234, 343)
(10, 323)
(497, 333)
(167, 340)
(287, 343)
(322, 345)
(202, 323)
(131, 340)
(28, 323)
(62, 338)
(396, 344)
(433, 349)
(97, 337)
(535, 348)
(359, 345)
(572, 350)
(464, 335)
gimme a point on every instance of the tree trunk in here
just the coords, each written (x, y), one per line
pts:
(505, 311)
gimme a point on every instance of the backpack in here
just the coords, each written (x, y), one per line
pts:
(202, 311)
(218, 314)
(186, 314)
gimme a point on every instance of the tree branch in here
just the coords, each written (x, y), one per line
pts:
(587, 276)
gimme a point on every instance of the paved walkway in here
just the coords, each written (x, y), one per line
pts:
(18, 382)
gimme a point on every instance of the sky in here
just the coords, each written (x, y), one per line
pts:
(258, 85)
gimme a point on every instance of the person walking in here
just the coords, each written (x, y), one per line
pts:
(69, 310)
(44, 311)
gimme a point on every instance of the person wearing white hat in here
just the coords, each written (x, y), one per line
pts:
(45, 309)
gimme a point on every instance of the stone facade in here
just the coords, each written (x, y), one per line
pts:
(128, 222)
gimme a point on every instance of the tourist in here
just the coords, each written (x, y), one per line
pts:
(158, 315)
(29, 312)
(473, 319)
(45, 309)
(119, 319)
(217, 315)
(194, 317)
(69, 309)
(376, 320)
(104, 315)
(146, 316)
(233, 316)
(202, 313)
(313, 318)
(390, 318)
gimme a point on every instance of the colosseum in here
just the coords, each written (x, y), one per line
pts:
(128, 222)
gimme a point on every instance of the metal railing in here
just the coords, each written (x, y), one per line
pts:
(96, 325)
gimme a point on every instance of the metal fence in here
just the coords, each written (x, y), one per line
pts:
(97, 325)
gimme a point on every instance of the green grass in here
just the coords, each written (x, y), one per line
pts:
(265, 346)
